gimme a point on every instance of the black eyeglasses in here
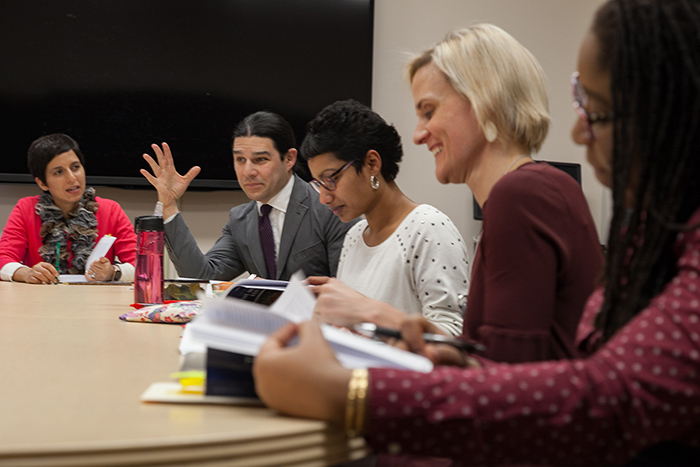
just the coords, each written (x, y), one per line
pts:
(329, 182)
(580, 103)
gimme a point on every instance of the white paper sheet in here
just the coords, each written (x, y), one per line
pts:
(171, 392)
(100, 250)
(71, 278)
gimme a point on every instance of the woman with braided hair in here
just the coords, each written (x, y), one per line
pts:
(55, 232)
(635, 398)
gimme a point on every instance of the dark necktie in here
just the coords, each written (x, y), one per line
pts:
(267, 240)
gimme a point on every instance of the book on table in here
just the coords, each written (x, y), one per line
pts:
(234, 329)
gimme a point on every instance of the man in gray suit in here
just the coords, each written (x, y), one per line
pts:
(306, 234)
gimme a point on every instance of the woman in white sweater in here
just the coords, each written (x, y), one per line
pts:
(403, 257)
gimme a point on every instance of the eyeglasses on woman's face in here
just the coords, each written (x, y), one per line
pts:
(329, 182)
(580, 103)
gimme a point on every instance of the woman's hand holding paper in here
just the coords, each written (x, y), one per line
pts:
(100, 270)
(340, 305)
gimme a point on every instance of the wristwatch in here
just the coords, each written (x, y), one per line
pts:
(117, 273)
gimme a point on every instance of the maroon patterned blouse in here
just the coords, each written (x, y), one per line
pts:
(639, 389)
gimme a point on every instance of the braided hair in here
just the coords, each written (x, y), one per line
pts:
(652, 50)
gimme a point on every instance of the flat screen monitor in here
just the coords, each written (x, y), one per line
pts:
(118, 75)
(571, 168)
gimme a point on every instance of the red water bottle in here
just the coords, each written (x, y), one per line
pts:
(148, 279)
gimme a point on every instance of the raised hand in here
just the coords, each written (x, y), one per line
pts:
(165, 178)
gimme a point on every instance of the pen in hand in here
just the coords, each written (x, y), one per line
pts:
(58, 260)
(372, 330)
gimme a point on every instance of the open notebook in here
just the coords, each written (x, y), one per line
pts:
(240, 326)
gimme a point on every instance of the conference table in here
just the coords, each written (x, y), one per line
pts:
(72, 374)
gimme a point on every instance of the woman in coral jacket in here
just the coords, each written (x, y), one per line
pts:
(67, 218)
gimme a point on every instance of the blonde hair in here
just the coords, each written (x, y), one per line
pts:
(501, 78)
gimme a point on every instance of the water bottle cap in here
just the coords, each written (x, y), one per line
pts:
(153, 223)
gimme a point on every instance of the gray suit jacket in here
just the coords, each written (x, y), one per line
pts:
(312, 238)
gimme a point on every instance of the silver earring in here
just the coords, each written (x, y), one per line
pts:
(374, 181)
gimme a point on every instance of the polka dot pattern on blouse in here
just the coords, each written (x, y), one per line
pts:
(641, 388)
(421, 267)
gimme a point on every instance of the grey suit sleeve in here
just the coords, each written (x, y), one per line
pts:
(220, 263)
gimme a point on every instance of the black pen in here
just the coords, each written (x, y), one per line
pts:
(372, 330)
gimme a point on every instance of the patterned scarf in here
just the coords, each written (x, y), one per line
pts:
(80, 225)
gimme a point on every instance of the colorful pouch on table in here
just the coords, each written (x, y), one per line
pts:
(170, 313)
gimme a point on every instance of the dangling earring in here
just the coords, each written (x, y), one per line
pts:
(490, 131)
(374, 181)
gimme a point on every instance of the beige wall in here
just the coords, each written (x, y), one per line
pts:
(551, 29)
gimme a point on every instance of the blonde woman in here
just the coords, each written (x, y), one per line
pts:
(482, 112)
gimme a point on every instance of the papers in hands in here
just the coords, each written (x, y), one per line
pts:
(100, 250)
(242, 327)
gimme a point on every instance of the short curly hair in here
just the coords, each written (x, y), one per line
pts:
(349, 130)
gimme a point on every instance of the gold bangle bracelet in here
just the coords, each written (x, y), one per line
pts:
(360, 409)
(355, 407)
(350, 405)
